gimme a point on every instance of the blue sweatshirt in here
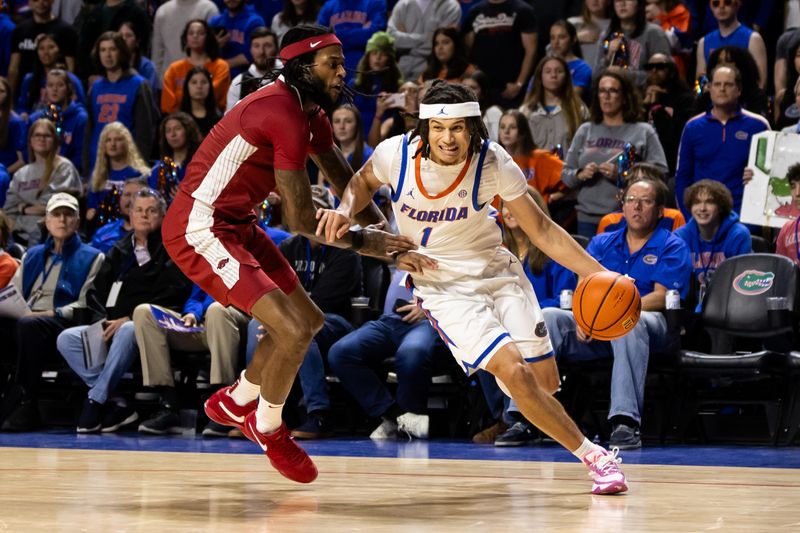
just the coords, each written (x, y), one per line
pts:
(239, 27)
(22, 98)
(73, 123)
(732, 239)
(198, 303)
(712, 150)
(108, 234)
(549, 284)
(354, 22)
(17, 141)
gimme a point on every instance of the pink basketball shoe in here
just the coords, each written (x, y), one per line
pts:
(605, 472)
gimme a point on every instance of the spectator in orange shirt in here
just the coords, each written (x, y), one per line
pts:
(542, 168)
(201, 50)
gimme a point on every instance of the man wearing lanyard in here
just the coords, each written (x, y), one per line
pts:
(136, 270)
(54, 279)
(787, 243)
(330, 276)
(658, 261)
(714, 232)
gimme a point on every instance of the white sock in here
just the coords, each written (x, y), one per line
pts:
(268, 416)
(587, 450)
(245, 392)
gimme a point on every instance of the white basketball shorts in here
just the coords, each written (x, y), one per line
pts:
(477, 316)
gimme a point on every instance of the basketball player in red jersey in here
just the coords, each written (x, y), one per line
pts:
(210, 230)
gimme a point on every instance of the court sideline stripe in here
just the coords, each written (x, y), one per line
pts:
(415, 474)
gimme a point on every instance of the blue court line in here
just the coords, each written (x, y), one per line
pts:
(741, 456)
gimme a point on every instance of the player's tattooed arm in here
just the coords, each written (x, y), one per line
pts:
(297, 208)
(339, 173)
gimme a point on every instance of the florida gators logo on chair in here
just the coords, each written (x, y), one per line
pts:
(753, 282)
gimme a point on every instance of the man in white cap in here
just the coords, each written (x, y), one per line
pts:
(444, 176)
(54, 279)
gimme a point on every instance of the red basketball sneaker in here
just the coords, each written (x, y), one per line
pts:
(283, 452)
(222, 409)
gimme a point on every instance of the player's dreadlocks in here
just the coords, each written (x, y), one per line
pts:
(442, 92)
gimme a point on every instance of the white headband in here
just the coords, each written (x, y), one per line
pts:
(462, 110)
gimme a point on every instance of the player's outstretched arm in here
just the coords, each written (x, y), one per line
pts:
(301, 217)
(338, 171)
(551, 238)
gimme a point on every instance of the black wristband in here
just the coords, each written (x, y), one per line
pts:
(356, 239)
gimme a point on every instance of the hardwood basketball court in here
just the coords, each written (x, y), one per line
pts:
(51, 489)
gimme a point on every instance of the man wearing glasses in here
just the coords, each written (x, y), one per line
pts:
(731, 32)
(658, 261)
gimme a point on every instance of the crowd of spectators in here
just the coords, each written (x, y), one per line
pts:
(628, 118)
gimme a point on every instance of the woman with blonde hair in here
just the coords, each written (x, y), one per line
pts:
(118, 160)
(552, 106)
(34, 184)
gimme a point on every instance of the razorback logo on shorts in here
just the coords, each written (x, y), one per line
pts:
(753, 282)
(222, 263)
(541, 330)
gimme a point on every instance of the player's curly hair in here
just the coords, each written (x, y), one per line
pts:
(443, 92)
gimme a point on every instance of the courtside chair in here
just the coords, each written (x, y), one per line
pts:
(741, 369)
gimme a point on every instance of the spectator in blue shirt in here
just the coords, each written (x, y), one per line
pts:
(714, 232)
(354, 22)
(118, 160)
(658, 261)
(716, 144)
(564, 43)
(232, 28)
(32, 94)
(402, 332)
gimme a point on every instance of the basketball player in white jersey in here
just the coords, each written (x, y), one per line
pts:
(443, 177)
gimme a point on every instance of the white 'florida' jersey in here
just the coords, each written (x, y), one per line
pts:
(457, 229)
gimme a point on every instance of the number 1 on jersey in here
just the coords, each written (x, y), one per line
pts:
(426, 233)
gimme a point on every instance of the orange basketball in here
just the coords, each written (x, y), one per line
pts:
(606, 305)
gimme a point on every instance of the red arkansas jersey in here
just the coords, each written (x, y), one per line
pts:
(234, 168)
